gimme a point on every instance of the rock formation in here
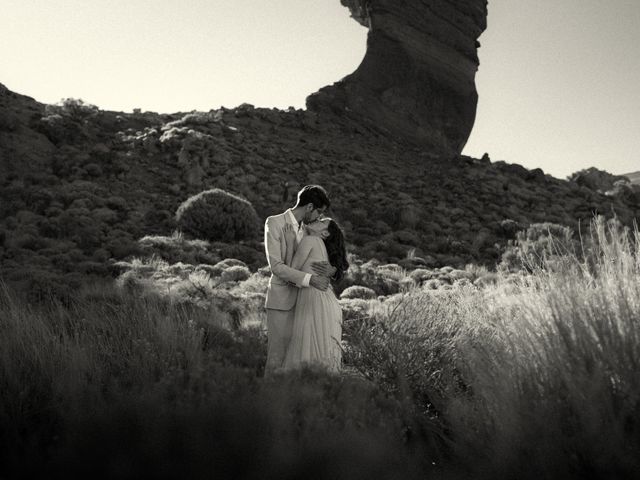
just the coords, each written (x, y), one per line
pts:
(417, 79)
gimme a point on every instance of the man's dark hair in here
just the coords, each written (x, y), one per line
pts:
(315, 195)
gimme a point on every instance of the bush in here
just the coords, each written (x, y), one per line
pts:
(358, 291)
(537, 246)
(217, 215)
(251, 255)
(236, 273)
(230, 262)
(421, 275)
(381, 281)
(176, 248)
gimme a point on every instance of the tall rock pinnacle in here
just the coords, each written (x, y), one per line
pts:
(417, 79)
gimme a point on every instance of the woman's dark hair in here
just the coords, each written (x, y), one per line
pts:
(315, 195)
(337, 250)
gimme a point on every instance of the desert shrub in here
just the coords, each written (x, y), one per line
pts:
(157, 221)
(354, 310)
(256, 283)
(75, 108)
(93, 170)
(197, 286)
(210, 270)
(56, 129)
(117, 203)
(381, 228)
(420, 275)
(29, 241)
(218, 215)
(236, 273)
(392, 271)
(383, 282)
(230, 262)
(455, 275)
(358, 291)
(537, 246)
(78, 225)
(121, 247)
(390, 249)
(433, 284)
(177, 248)
(486, 280)
(105, 215)
(508, 228)
(251, 254)
(66, 121)
(41, 285)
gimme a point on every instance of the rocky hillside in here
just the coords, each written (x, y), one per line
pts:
(80, 186)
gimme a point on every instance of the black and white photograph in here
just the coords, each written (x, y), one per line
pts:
(320, 239)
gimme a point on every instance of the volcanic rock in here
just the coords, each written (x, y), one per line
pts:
(417, 79)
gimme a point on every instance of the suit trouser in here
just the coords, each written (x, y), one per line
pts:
(279, 330)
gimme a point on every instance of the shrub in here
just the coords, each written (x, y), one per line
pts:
(486, 280)
(433, 284)
(218, 215)
(252, 255)
(508, 228)
(66, 121)
(75, 108)
(358, 291)
(537, 246)
(230, 262)
(383, 282)
(176, 248)
(43, 285)
(353, 310)
(236, 273)
(420, 275)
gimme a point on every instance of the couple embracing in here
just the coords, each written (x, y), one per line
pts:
(305, 251)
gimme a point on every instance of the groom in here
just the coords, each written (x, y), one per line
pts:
(284, 283)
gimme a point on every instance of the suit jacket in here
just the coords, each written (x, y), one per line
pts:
(285, 281)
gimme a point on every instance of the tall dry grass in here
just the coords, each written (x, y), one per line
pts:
(536, 377)
(119, 386)
(533, 377)
(561, 388)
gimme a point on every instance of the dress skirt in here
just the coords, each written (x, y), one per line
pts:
(317, 331)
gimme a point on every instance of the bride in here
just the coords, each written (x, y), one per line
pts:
(317, 325)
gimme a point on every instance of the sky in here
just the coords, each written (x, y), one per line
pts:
(558, 83)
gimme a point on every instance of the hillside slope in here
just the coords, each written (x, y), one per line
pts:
(633, 177)
(79, 186)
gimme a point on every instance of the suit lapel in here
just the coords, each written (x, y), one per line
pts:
(287, 221)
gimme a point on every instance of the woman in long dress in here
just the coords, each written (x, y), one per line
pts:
(317, 326)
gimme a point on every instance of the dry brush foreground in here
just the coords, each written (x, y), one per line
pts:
(534, 376)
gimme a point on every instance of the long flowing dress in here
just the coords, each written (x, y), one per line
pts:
(317, 326)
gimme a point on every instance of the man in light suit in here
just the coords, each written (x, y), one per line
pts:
(284, 283)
